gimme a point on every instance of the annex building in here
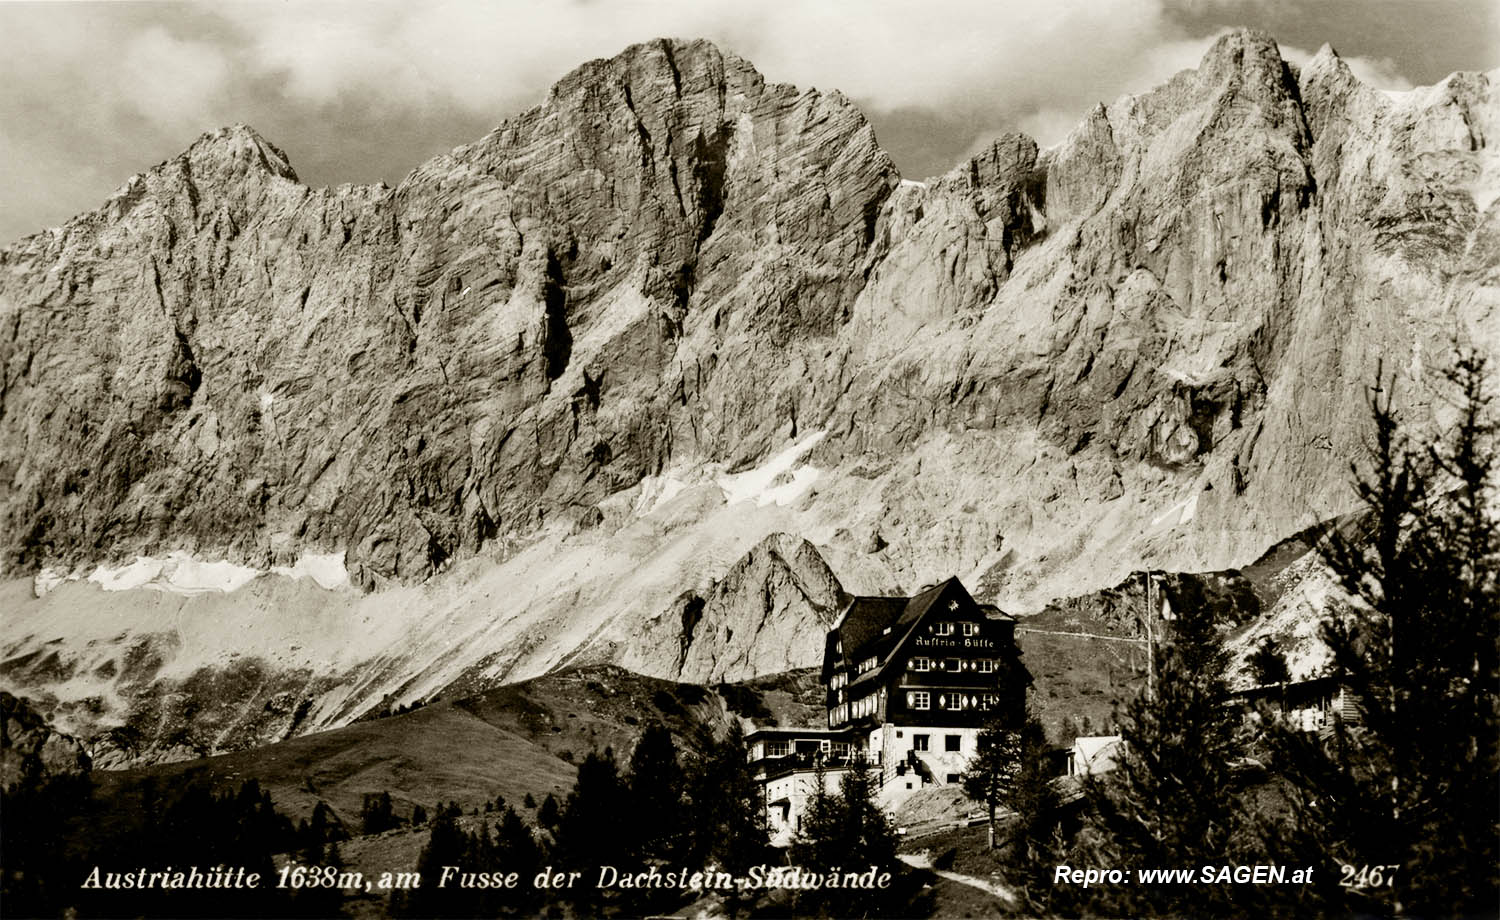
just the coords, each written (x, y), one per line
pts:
(910, 682)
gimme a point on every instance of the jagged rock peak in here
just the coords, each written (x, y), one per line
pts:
(232, 149)
(1326, 66)
(1241, 51)
(685, 63)
(768, 612)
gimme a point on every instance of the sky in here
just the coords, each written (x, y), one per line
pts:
(92, 93)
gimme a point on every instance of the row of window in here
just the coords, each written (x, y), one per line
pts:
(783, 747)
(924, 742)
(955, 665)
(946, 628)
(923, 699)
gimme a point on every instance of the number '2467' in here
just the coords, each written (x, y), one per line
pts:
(1367, 876)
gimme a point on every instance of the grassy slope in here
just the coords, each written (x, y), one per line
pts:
(440, 752)
(1079, 683)
(511, 741)
(518, 739)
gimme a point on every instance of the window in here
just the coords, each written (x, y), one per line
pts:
(919, 699)
(971, 629)
(953, 664)
(952, 742)
(989, 701)
(919, 742)
(985, 665)
(778, 748)
(825, 746)
(908, 784)
(943, 629)
(952, 777)
(921, 664)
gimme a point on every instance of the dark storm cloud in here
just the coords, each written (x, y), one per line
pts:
(360, 92)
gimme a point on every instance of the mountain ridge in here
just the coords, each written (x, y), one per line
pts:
(560, 377)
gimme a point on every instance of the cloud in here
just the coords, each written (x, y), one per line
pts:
(981, 56)
(365, 90)
(171, 80)
(1380, 73)
(989, 66)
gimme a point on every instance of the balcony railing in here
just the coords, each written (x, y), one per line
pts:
(809, 760)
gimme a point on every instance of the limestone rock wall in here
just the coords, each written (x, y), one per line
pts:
(768, 613)
(594, 360)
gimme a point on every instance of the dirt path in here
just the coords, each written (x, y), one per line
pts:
(922, 861)
(1080, 635)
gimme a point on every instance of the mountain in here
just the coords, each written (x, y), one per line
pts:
(276, 457)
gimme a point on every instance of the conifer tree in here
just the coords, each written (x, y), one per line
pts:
(377, 814)
(1171, 802)
(518, 851)
(991, 774)
(1011, 771)
(841, 832)
(589, 830)
(549, 811)
(727, 806)
(447, 844)
(655, 793)
(1267, 664)
(1412, 785)
(727, 809)
(656, 815)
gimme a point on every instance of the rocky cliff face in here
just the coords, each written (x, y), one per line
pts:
(768, 613)
(224, 360)
(30, 750)
(562, 374)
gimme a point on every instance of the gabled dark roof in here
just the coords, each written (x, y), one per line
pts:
(881, 626)
(875, 625)
(865, 620)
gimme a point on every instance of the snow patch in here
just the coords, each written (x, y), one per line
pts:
(1184, 511)
(183, 573)
(912, 183)
(46, 580)
(327, 569)
(657, 491)
(778, 481)
(178, 573)
(1486, 187)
